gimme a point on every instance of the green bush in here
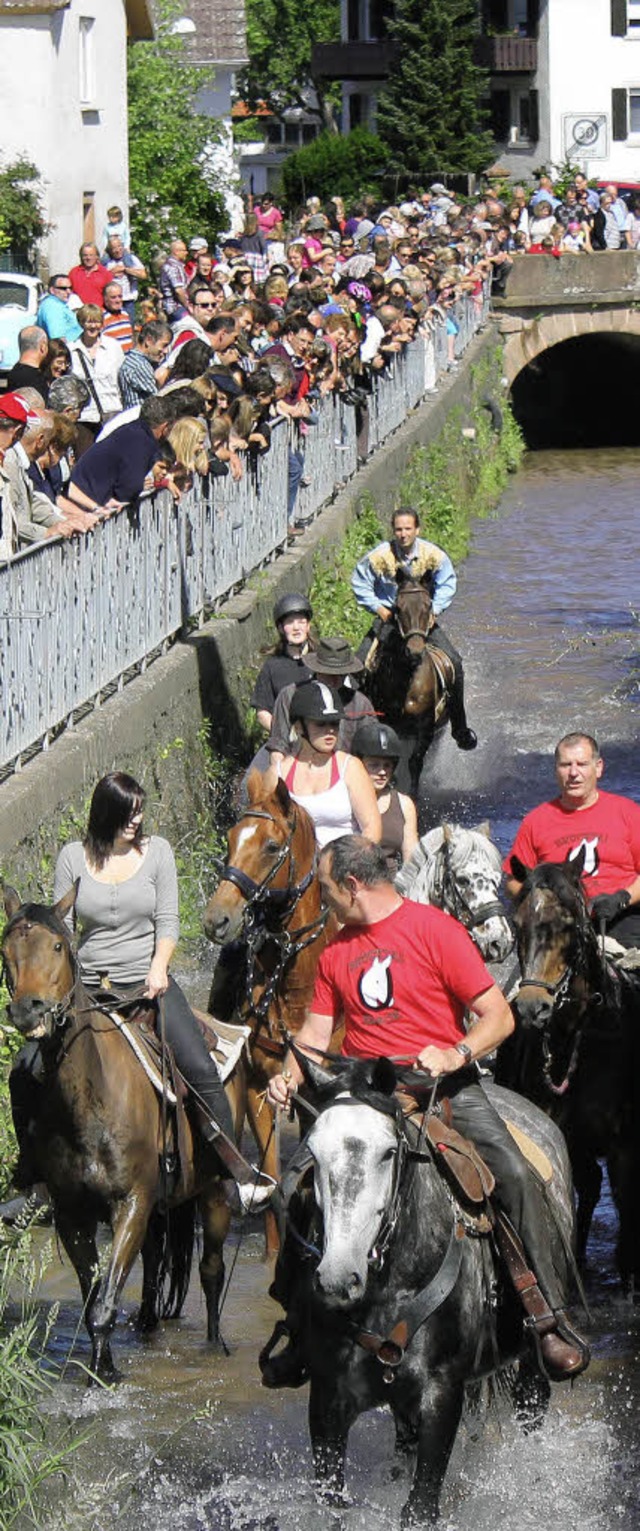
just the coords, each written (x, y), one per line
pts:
(22, 221)
(334, 165)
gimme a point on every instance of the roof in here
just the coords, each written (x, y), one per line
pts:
(220, 35)
(139, 21)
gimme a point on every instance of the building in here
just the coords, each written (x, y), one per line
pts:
(360, 61)
(564, 79)
(214, 36)
(269, 138)
(63, 86)
(565, 84)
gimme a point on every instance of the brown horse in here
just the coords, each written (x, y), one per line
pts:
(98, 1138)
(269, 899)
(413, 679)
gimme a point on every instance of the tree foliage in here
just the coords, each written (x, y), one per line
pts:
(172, 189)
(432, 113)
(345, 166)
(280, 39)
(22, 221)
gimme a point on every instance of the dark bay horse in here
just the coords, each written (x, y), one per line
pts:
(412, 681)
(397, 1301)
(269, 899)
(98, 1138)
(576, 1050)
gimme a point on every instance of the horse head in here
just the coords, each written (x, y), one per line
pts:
(413, 611)
(356, 1147)
(271, 854)
(460, 870)
(554, 935)
(38, 963)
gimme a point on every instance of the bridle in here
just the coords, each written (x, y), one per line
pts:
(454, 899)
(263, 902)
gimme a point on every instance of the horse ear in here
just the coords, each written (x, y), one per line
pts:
(12, 901)
(322, 1081)
(283, 795)
(518, 869)
(425, 579)
(255, 786)
(384, 1077)
(574, 865)
(401, 575)
(67, 901)
(447, 834)
(484, 828)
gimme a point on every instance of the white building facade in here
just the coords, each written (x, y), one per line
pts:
(63, 87)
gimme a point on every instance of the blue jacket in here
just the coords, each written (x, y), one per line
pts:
(374, 584)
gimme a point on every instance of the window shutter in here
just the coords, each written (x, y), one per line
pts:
(500, 115)
(534, 116)
(619, 19)
(619, 115)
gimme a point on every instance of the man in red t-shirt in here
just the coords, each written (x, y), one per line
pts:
(604, 825)
(89, 279)
(401, 975)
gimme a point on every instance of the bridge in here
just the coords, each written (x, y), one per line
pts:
(571, 328)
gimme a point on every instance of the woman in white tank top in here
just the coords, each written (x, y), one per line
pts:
(332, 786)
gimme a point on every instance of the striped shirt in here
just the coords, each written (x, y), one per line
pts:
(118, 327)
(137, 379)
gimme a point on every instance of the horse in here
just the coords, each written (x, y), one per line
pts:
(397, 1301)
(460, 870)
(100, 1135)
(411, 684)
(268, 900)
(575, 1051)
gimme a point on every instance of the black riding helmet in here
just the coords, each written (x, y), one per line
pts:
(376, 739)
(313, 702)
(292, 605)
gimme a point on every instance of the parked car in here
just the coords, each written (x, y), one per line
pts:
(19, 299)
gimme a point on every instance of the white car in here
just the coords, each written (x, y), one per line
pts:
(20, 296)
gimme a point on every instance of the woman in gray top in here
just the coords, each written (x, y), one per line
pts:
(126, 911)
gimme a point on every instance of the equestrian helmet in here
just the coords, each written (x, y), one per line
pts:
(292, 605)
(313, 702)
(376, 739)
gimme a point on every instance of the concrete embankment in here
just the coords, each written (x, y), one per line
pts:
(153, 727)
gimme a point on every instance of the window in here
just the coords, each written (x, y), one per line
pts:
(88, 216)
(633, 18)
(87, 60)
(634, 111)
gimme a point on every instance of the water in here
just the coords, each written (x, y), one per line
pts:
(544, 617)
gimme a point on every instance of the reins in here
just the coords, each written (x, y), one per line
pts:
(460, 906)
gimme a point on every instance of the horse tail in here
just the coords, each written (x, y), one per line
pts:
(173, 1231)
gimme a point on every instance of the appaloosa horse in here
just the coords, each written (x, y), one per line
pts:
(460, 870)
(99, 1138)
(396, 1294)
(576, 1050)
(411, 684)
(268, 901)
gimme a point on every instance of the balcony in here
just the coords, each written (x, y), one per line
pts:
(506, 55)
(352, 61)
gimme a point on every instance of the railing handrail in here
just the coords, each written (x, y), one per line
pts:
(79, 617)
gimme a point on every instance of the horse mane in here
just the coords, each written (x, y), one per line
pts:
(422, 874)
(555, 877)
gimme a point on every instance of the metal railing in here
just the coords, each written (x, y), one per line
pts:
(78, 618)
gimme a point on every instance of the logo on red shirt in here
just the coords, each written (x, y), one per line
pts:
(375, 985)
(591, 857)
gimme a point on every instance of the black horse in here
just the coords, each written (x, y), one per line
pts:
(391, 1288)
(412, 681)
(576, 1050)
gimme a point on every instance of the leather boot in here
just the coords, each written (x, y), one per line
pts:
(562, 1353)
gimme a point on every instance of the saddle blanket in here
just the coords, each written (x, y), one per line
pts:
(229, 1042)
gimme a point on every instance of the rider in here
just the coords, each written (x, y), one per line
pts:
(431, 973)
(379, 748)
(330, 784)
(286, 664)
(127, 912)
(374, 585)
(604, 824)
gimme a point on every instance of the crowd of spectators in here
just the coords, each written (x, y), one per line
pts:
(235, 336)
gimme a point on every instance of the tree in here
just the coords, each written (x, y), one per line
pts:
(280, 39)
(22, 221)
(172, 188)
(432, 112)
(345, 167)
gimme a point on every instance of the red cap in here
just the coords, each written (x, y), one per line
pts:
(13, 407)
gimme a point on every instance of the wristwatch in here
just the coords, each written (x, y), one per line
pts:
(465, 1051)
